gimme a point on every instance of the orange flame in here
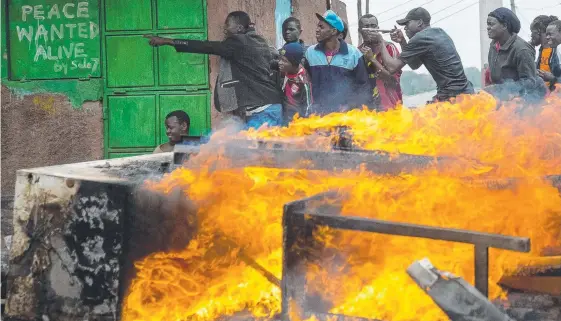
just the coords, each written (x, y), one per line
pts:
(239, 213)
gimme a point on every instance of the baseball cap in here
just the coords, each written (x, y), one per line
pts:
(415, 14)
(293, 51)
(332, 19)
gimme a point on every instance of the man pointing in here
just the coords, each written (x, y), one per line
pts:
(252, 93)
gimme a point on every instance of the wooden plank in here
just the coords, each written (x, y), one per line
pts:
(537, 265)
(539, 284)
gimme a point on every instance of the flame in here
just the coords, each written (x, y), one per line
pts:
(470, 128)
(499, 188)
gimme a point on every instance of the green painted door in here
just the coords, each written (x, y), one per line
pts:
(143, 84)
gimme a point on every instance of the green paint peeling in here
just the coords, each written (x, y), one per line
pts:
(77, 91)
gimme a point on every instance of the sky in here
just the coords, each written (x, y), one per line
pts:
(459, 18)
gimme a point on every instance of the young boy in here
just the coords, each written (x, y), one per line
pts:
(297, 87)
(177, 124)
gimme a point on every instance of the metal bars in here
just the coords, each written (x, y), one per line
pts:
(241, 153)
(300, 219)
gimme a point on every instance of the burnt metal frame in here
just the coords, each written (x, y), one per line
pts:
(243, 153)
(299, 221)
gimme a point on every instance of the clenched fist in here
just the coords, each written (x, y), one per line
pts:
(397, 35)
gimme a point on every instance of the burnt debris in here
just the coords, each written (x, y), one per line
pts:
(456, 297)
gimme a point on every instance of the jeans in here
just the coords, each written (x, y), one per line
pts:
(272, 116)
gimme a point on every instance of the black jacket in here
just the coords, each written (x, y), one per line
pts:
(514, 60)
(249, 56)
(513, 69)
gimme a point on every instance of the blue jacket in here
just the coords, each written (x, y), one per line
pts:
(340, 85)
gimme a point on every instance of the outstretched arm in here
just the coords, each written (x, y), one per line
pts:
(392, 64)
(220, 48)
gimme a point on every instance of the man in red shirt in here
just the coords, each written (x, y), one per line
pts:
(386, 88)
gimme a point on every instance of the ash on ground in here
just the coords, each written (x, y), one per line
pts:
(137, 171)
(526, 306)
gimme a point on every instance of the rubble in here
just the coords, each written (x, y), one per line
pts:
(456, 297)
(526, 306)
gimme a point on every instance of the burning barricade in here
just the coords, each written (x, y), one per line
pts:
(459, 183)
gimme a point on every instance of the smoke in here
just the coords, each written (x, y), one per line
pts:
(528, 91)
(157, 222)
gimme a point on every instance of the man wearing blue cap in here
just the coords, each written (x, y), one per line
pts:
(339, 76)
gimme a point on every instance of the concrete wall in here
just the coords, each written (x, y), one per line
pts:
(341, 9)
(306, 10)
(44, 129)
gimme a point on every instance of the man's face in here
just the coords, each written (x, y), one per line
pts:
(367, 23)
(286, 66)
(291, 32)
(174, 130)
(536, 36)
(231, 27)
(412, 27)
(553, 36)
(495, 29)
(324, 31)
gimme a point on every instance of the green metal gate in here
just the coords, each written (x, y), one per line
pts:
(142, 83)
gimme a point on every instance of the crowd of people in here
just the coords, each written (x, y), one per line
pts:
(261, 84)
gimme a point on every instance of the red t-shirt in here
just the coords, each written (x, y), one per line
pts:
(390, 91)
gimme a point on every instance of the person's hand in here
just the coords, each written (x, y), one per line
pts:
(546, 75)
(397, 35)
(378, 39)
(156, 41)
(367, 52)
